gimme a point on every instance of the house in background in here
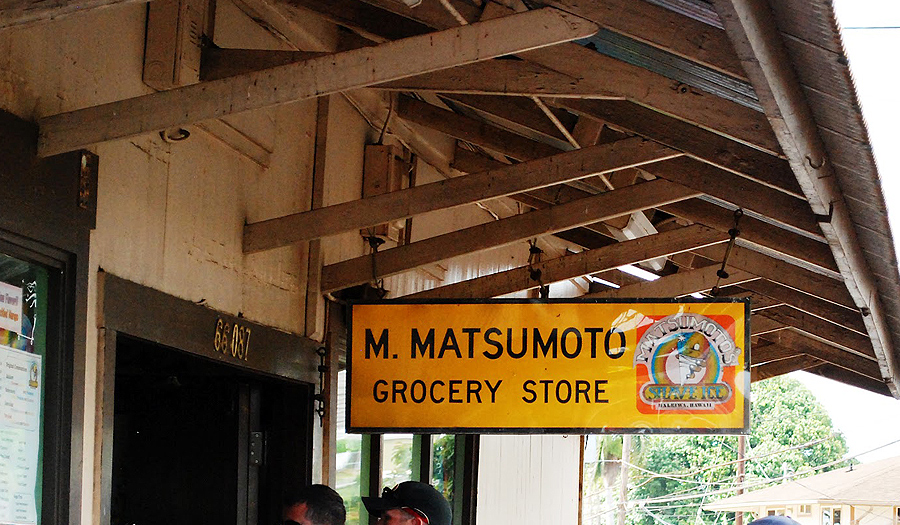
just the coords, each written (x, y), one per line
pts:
(867, 494)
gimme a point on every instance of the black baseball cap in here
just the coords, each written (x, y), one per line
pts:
(418, 496)
(774, 520)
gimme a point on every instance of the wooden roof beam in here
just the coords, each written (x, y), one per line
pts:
(838, 335)
(737, 190)
(517, 110)
(675, 285)
(782, 272)
(842, 375)
(450, 193)
(782, 367)
(850, 319)
(756, 231)
(661, 28)
(505, 231)
(801, 343)
(21, 12)
(751, 28)
(695, 141)
(580, 264)
(763, 325)
(471, 130)
(582, 72)
(311, 78)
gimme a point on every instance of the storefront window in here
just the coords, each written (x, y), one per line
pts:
(349, 459)
(396, 459)
(403, 457)
(443, 464)
(23, 355)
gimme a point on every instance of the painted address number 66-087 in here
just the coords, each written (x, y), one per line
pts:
(232, 339)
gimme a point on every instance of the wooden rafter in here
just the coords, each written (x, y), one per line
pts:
(850, 319)
(782, 367)
(472, 130)
(676, 285)
(782, 272)
(516, 110)
(662, 28)
(763, 325)
(756, 231)
(584, 263)
(802, 343)
(314, 77)
(21, 12)
(582, 72)
(853, 341)
(450, 193)
(742, 192)
(695, 141)
(500, 233)
(755, 37)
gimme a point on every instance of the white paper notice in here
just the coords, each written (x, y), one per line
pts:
(20, 421)
(10, 307)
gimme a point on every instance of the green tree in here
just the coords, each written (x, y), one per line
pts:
(784, 415)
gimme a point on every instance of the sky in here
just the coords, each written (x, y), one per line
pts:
(871, 34)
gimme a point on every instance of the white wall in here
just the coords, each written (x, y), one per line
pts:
(528, 479)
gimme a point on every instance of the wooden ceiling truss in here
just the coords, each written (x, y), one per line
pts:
(547, 114)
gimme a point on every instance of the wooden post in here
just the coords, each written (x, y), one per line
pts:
(742, 445)
(623, 472)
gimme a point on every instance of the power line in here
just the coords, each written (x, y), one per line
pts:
(872, 27)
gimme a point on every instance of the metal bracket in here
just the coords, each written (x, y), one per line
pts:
(256, 449)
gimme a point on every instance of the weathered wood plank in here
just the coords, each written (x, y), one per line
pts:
(517, 110)
(764, 351)
(751, 27)
(850, 319)
(662, 28)
(756, 231)
(450, 193)
(761, 325)
(675, 285)
(782, 272)
(584, 263)
(656, 91)
(472, 130)
(782, 367)
(311, 78)
(801, 343)
(811, 324)
(740, 191)
(21, 12)
(216, 63)
(501, 77)
(503, 232)
(365, 19)
(693, 140)
(431, 12)
(583, 73)
(842, 375)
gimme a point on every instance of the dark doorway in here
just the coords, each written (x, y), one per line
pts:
(196, 441)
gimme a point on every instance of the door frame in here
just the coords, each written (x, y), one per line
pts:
(145, 313)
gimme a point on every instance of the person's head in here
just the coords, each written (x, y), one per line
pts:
(315, 505)
(410, 503)
(774, 520)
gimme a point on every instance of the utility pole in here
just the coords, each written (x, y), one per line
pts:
(623, 472)
(742, 444)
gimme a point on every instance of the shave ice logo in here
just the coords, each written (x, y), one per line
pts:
(686, 362)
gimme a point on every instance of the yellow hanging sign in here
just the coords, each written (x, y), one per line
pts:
(514, 366)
